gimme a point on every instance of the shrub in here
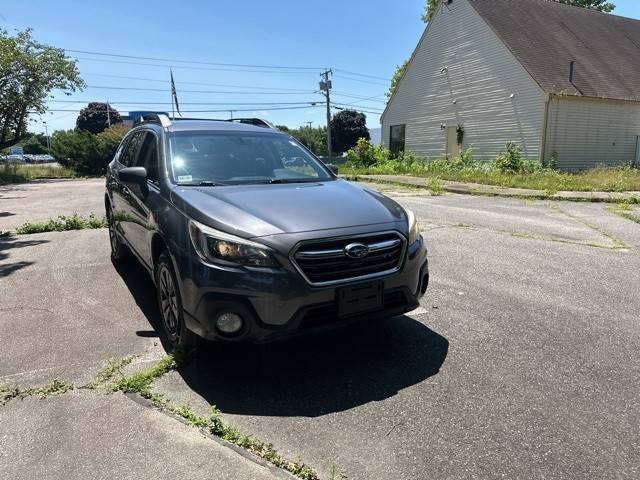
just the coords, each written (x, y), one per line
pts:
(86, 153)
(365, 154)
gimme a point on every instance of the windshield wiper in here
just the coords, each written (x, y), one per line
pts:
(203, 183)
(295, 180)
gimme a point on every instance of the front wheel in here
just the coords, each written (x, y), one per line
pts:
(119, 251)
(170, 305)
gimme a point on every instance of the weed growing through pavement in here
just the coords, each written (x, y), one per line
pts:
(435, 186)
(140, 383)
(624, 210)
(214, 425)
(62, 223)
(57, 387)
(112, 368)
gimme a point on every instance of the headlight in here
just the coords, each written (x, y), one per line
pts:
(220, 248)
(414, 229)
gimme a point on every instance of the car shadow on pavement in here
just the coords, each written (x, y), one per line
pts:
(143, 292)
(317, 375)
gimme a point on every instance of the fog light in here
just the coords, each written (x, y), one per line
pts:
(229, 322)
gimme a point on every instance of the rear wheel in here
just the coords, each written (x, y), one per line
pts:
(119, 251)
(170, 305)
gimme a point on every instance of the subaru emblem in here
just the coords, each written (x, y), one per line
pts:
(356, 250)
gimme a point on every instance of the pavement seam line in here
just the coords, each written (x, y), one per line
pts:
(617, 242)
(530, 236)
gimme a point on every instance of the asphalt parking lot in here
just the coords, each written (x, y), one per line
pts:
(521, 362)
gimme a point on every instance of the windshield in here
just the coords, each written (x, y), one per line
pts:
(232, 158)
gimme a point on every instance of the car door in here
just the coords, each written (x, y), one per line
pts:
(140, 225)
(120, 192)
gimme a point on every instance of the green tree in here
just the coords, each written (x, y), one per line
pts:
(397, 76)
(430, 9)
(600, 5)
(315, 139)
(347, 126)
(96, 117)
(29, 71)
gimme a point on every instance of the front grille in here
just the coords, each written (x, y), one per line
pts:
(326, 261)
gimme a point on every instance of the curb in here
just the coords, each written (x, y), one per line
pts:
(494, 191)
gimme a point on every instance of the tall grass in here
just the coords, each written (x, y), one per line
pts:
(509, 169)
(17, 173)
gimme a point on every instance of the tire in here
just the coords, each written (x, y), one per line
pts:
(170, 305)
(120, 253)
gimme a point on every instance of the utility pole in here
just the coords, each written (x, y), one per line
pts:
(325, 88)
(46, 133)
(308, 125)
(108, 115)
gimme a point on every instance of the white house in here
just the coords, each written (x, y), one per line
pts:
(556, 79)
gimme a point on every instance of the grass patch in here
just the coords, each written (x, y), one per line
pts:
(26, 173)
(508, 169)
(435, 185)
(57, 387)
(140, 382)
(625, 210)
(112, 368)
(62, 223)
(549, 181)
(215, 426)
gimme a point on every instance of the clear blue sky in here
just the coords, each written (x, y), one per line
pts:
(363, 37)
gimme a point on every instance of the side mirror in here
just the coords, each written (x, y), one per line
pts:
(135, 178)
(333, 168)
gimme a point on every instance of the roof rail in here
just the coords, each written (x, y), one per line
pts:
(159, 118)
(166, 122)
(258, 122)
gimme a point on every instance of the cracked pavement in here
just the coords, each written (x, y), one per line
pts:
(521, 362)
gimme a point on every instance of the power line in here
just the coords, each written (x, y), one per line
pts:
(212, 111)
(361, 81)
(112, 102)
(260, 67)
(185, 67)
(196, 62)
(360, 97)
(343, 106)
(362, 75)
(157, 80)
(106, 87)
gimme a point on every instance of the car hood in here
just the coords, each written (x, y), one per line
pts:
(259, 210)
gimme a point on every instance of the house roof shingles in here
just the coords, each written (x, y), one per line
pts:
(546, 36)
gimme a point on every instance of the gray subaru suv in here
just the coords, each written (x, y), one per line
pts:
(249, 237)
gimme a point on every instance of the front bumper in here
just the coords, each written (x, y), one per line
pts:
(279, 303)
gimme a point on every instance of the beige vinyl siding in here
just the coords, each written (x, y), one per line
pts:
(586, 133)
(482, 74)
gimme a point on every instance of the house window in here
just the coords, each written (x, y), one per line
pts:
(396, 138)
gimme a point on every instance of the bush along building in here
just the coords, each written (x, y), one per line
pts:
(562, 82)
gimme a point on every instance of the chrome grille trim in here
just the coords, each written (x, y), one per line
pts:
(303, 251)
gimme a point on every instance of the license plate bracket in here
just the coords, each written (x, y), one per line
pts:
(360, 299)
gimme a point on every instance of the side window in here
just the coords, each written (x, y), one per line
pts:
(148, 156)
(127, 156)
(396, 138)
